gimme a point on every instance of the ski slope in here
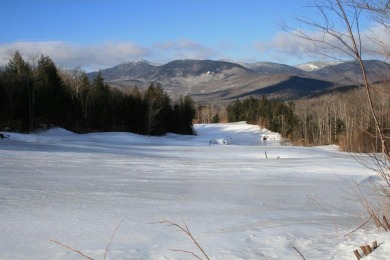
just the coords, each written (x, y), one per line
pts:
(245, 198)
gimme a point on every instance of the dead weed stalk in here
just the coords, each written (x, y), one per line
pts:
(184, 228)
(84, 255)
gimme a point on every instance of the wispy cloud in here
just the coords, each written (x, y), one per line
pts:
(69, 55)
(184, 49)
(287, 45)
(283, 46)
(93, 57)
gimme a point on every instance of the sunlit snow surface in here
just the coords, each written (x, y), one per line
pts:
(251, 199)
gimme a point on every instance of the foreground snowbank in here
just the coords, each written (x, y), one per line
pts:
(239, 204)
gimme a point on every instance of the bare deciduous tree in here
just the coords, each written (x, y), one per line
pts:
(344, 40)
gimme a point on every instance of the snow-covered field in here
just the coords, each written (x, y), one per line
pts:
(238, 204)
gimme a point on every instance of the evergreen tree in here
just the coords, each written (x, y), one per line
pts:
(101, 115)
(182, 115)
(215, 119)
(52, 99)
(158, 110)
(187, 109)
(234, 111)
(116, 98)
(132, 114)
(20, 92)
(84, 96)
(4, 106)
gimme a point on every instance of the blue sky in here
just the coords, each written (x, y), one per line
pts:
(96, 34)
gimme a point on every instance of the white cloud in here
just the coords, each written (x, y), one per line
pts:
(286, 45)
(94, 57)
(184, 49)
(68, 55)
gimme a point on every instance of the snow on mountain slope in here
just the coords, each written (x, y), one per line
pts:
(316, 65)
(238, 204)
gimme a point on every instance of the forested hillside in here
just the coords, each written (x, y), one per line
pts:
(341, 118)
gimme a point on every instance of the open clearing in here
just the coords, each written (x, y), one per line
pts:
(238, 204)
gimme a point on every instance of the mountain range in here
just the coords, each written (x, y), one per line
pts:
(211, 81)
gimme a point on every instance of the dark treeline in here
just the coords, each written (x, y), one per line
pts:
(274, 115)
(36, 94)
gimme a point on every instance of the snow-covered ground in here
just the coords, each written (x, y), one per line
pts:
(251, 199)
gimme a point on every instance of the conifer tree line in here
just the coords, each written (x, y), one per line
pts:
(35, 94)
(274, 115)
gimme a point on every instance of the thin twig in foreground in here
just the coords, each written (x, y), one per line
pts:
(72, 249)
(296, 249)
(187, 252)
(358, 227)
(187, 231)
(112, 237)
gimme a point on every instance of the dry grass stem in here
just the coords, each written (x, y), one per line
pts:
(84, 255)
(72, 249)
(184, 228)
(371, 209)
(187, 252)
(112, 237)
(386, 223)
(296, 249)
(359, 227)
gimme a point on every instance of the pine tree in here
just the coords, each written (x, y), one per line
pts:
(4, 105)
(20, 92)
(52, 99)
(100, 104)
(84, 95)
(158, 110)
